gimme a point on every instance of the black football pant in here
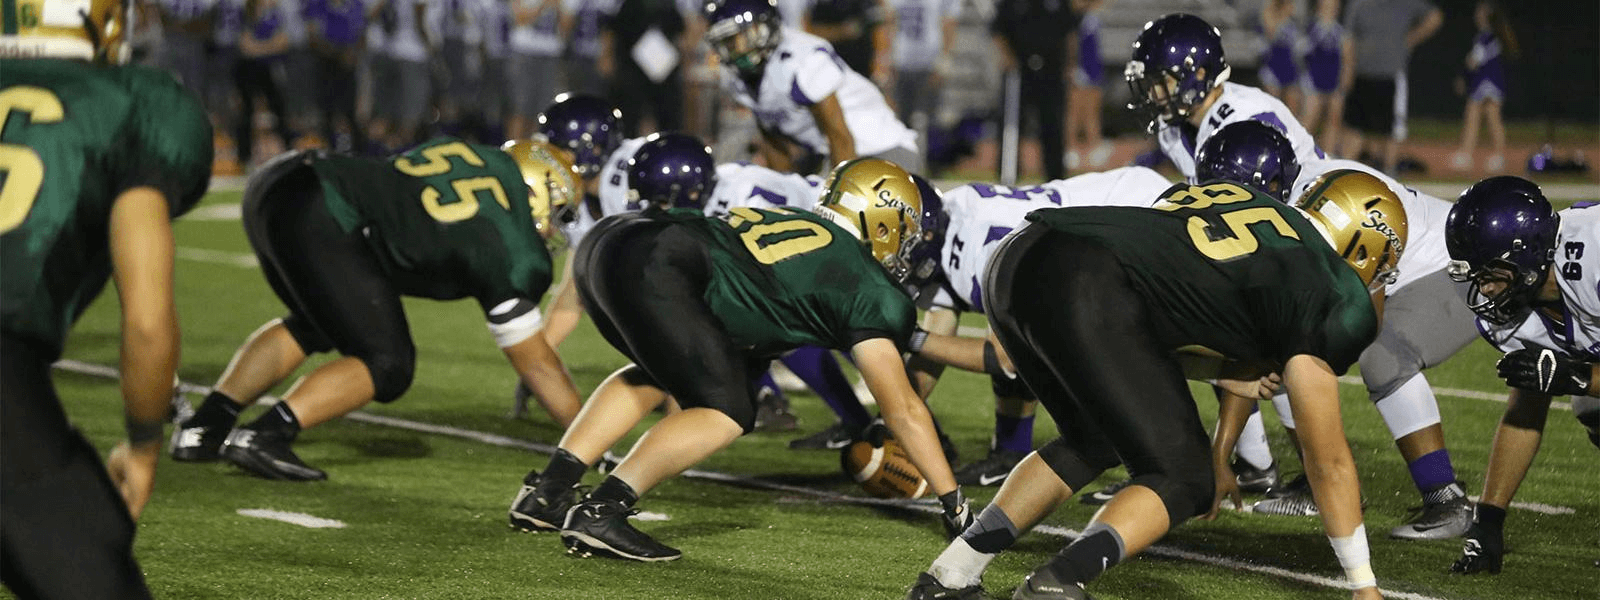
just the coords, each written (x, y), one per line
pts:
(643, 282)
(338, 293)
(65, 531)
(1081, 337)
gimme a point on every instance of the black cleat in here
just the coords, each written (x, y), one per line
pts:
(772, 412)
(1104, 495)
(600, 527)
(836, 436)
(990, 471)
(541, 507)
(197, 444)
(1255, 481)
(267, 454)
(928, 587)
(1043, 585)
(1437, 521)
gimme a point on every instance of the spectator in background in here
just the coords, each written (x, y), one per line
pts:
(653, 30)
(1031, 36)
(582, 21)
(851, 26)
(494, 20)
(1385, 32)
(185, 25)
(299, 67)
(263, 41)
(533, 68)
(1279, 70)
(227, 22)
(1484, 84)
(460, 79)
(1324, 75)
(1085, 95)
(334, 29)
(922, 33)
(402, 85)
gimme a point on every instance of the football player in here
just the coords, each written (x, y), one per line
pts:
(1207, 274)
(804, 97)
(1533, 288)
(1426, 320)
(701, 305)
(340, 240)
(96, 158)
(972, 220)
(1179, 80)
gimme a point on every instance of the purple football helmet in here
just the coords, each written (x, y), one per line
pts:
(743, 33)
(1166, 75)
(671, 170)
(1249, 152)
(1501, 235)
(588, 126)
(925, 257)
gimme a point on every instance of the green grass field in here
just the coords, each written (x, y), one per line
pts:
(425, 513)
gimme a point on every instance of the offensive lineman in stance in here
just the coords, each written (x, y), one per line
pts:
(95, 160)
(1216, 271)
(340, 240)
(702, 305)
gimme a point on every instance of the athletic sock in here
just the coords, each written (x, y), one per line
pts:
(959, 565)
(217, 411)
(614, 489)
(279, 420)
(992, 532)
(564, 470)
(1013, 434)
(1253, 446)
(1432, 472)
(1098, 549)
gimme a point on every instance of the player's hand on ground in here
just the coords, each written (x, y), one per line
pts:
(1227, 487)
(1483, 550)
(133, 471)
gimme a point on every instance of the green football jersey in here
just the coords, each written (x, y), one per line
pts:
(783, 278)
(1233, 271)
(450, 220)
(73, 137)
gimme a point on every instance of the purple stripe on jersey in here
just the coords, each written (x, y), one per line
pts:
(1586, 204)
(798, 96)
(977, 296)
(1483, 332)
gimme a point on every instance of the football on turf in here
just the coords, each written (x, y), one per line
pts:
(883, 470)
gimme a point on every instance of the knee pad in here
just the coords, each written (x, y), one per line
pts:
(1389, 363)
(311, 339)
(1186, 491)
(1587, 409)
(1409, 408)
(1074, 467)
(391, 373)
(1010, 387)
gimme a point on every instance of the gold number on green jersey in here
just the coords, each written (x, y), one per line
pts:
(21, 167)
(1232, 238)
(466, 189)
(778, 241)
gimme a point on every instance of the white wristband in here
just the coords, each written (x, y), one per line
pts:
(1354, 557)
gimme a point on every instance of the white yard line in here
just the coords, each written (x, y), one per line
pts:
(823, 495)
(219, 257)
(293, 518)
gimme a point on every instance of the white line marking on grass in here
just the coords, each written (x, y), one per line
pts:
(1538, 507)
(645, 515)
(215, 212)
(292, 518)
(235, 259)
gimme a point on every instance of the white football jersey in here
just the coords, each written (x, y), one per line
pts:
(1237, 103)
(1577, 271)
(755, 186)
(612, 195)
(1424, 252)
(804, 70)
(982, 214)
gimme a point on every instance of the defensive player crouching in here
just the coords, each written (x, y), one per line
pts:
(701, 305)
(340, 240)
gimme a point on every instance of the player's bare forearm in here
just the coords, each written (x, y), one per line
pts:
(565, 310)
(903, 411)
(1516, 442)
(775, 152)
(1232, 412)
(142, 251)
(960, 352)
(542, 371)
(925, 373)
(1314, 400)
(830, 119)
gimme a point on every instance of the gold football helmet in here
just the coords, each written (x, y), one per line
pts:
(878, 201)
(1363, 220)
(552, 181)
(82, 29)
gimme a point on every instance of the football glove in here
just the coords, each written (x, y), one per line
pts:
(1483, 550)
(1544, 370)
(957, 514)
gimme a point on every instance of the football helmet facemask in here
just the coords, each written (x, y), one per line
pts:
(743, 33)
(1362, 219)
(925, 259)
(552, 181)
(1177, 60)
(878, 202)
(93, 30)
(1501, 235)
